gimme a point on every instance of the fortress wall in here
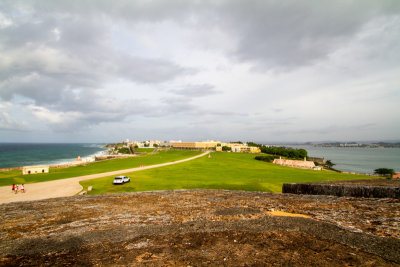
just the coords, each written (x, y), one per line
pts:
(342, 190)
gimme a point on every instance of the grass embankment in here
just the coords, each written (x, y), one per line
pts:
(11, 177)
(233, 171)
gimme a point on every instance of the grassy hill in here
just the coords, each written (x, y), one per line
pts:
(233, 171)
(10, 177)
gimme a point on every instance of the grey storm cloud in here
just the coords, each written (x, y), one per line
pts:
(288, 34)
(64, 59)
(196, 90)
(45, 56)
(9, 124)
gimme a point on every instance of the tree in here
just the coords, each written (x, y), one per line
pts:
(384, 172)
(253, 144)
(329, 163)
(226, 148)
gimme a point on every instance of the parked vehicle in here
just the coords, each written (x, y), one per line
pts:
(126, 179)
(121, 179)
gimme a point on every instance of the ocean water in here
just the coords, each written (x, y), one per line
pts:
(360, 160)
(26, 154)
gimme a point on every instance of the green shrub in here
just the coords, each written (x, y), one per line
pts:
(265, 158)
(385, 172)
(285, 152)
(124, 150)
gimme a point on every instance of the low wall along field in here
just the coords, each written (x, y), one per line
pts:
(362, 188)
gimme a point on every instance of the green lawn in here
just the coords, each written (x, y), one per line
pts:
(144, 149)
(234, 171)
(10, 177)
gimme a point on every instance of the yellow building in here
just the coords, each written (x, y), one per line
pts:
(250, 149)
(243, 148)
(195, 145)
(235, 147)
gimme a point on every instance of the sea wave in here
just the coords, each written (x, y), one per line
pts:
(27, 154)
(89, 158)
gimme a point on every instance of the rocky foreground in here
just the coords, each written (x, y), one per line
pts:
(201, 227)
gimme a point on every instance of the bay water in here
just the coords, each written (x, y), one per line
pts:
(356, 159)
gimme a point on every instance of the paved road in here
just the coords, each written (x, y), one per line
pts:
(70, 186)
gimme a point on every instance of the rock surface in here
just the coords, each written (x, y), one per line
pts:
(200, 227)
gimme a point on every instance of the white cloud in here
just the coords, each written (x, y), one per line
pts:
(9, 122)
(5, 21)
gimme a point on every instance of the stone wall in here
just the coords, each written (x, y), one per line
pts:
(10, 169)
(342, 190)
(321, 161)
(295, 163)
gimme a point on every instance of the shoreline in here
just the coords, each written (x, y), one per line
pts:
(62, 163)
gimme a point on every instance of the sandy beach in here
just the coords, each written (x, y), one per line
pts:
(67, 187)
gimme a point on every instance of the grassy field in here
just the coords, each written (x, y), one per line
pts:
(144, 149)
(234, 171)
(10, 177)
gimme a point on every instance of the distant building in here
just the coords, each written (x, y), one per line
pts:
(235, 147)
(217, 145)
(35, 169)
(295, 163)
(243, 148)
(396, 175)
(195, 145)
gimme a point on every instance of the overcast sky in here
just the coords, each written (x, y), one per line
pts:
(290, 71)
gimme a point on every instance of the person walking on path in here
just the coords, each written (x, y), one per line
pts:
(13, 188)
(16, 189)
(22, 188)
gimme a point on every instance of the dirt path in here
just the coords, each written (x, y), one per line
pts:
(70, 186)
